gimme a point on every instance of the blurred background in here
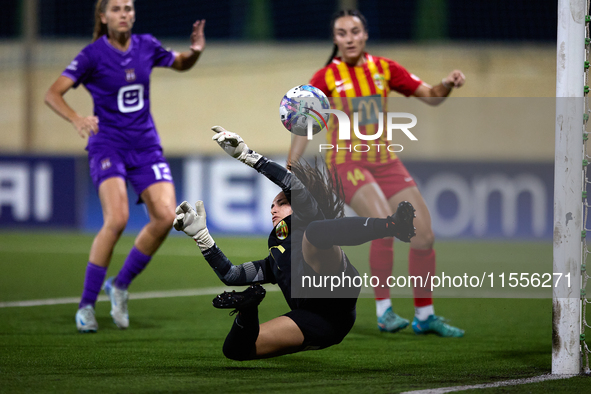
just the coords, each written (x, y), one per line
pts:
(483, 159)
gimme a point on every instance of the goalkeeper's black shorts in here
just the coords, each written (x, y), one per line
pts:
(322, 330)
(327, 321)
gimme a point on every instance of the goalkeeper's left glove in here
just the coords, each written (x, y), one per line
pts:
(193, 223)
(234, 145)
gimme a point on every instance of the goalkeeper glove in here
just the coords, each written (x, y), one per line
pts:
(192, 222)
(234, 145)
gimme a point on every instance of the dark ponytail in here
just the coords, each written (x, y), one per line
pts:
(324, 185)
(335, 50)
(338, 15)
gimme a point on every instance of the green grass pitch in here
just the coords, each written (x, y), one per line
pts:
(174, 344)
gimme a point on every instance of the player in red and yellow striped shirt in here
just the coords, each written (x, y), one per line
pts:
(374, 180)
(364, 89)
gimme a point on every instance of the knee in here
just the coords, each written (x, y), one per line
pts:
(423, 240)
(318, 237)
(163, 219)
(116, 223)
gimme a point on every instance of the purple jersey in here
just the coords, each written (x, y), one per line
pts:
(119, 83)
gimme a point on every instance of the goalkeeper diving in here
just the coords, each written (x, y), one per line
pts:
(308, 230)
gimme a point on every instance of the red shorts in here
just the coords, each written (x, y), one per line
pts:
(391, 177)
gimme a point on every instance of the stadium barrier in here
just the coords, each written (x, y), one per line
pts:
(475, 200)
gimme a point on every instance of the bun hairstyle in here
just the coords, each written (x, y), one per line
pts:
(340, 14)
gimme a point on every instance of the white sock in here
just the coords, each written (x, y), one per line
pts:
(423, 312)
(382, 305)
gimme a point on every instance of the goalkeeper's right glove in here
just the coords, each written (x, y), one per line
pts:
(193, 223)
(234, 145)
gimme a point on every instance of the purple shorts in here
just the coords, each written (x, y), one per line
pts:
(140, 167)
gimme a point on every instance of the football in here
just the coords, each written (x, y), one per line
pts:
(302, 105)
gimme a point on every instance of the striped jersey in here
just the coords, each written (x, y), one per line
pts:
(362, 89)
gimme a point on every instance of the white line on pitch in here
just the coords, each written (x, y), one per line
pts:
(512, 382)
(185, 251)
(132, 296)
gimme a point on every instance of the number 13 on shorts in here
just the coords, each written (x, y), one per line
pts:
(162, 171)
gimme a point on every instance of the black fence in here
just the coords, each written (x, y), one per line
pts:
(389, 20)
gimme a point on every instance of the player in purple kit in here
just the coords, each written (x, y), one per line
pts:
(123, 145)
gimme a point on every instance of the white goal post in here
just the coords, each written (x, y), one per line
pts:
(569, 184)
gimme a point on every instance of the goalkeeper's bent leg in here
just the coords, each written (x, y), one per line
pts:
(240, 344)
(324, 234)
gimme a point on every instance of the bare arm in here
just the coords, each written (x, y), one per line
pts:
(54, 98)
(185, 60)
(435, 95)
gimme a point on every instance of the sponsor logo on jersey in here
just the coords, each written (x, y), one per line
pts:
(369, 109)
(131, 98)
(282, 230)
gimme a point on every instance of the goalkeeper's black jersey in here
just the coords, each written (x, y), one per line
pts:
(285, 259)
